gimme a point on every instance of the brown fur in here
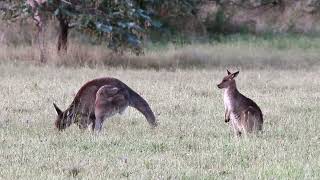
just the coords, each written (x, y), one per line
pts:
(244, 114)
(99, 99)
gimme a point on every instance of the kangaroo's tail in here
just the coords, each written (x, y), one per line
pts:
(141, 105)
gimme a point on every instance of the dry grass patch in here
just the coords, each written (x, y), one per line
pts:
(191, 56)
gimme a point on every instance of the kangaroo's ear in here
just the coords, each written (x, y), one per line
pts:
(57, 109)
(228, 72)
(235, 74)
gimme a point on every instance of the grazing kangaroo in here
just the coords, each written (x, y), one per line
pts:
(99, 99)
(244, 114)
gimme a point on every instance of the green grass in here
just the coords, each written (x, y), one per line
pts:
(191, 142)
(273, 41)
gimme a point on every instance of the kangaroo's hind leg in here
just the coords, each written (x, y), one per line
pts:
(109, 101)
(236, 129)
(245, 122)
(98, 123)
(251, 120)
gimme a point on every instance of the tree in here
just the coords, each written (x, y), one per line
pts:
(15, 9)
(119, 22)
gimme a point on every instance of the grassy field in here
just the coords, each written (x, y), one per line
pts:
(191, 142)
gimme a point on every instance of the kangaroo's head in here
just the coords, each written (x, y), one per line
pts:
(63, 119)
(228, 80)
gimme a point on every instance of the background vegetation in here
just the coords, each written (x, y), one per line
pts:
(236, 50)
(114, 31)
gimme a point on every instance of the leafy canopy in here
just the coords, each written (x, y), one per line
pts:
(121, 23)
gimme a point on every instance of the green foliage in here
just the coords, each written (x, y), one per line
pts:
(121, 23)
(10, 11)
(219, 23)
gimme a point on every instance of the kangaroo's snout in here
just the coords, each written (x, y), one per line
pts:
(219, 86)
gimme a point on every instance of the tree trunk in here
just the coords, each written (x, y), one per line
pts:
(63, 35)
(42, 57)
(41, 39)
(41, 22)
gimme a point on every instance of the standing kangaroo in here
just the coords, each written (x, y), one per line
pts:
(99, 99)
(244, 113)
